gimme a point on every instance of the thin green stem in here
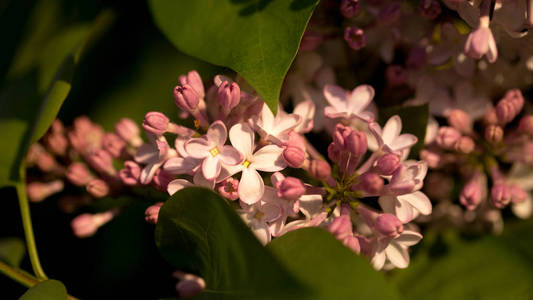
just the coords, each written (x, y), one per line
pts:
(18, 275)
(28, 232)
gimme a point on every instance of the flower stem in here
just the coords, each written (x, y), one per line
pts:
(18, 275)
(28, 232)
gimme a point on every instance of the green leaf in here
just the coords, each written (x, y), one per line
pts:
(414, 121)
(12, 251)
(257, 38)
(46, 290)
(29, 105)
(490, 268)
(330, 269)
(199, 232)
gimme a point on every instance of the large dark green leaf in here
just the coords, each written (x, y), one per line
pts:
(46, 290)
(257, 38)
(12, 250)
(330, 269)
(198, 232)
(489, 268)
(414, 121)
(29, 104)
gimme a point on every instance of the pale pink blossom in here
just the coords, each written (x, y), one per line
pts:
(349, 105)
(274, 129)
(389, 138)
(153, 155)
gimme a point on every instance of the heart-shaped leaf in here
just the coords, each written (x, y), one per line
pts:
(46, 290)
(256, 38)
(12, 251)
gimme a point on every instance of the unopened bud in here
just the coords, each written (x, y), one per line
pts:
(493, 134)
(371, 183)
(151, 214)
(127, 130)
(447, 137)
(78, 174)
(505, 111)
(155, 122)
(320, 169)
(355, 37)
(356, 143)
(471, 194)
(113, 144)
(293, 156)
(38, 191)
(98, 188)
(500, 195)
(229, 95)
(387, 164)
(465, 145)
(195, 81)
(102, 162)
(460, 120)
(518, 194)
(162, 179)
(432, 158)
(389, 225)
(290, 188)
(186, 97)
(86, 225)
(189, 285)
(526, 125)
(516, 98)
(131, 173)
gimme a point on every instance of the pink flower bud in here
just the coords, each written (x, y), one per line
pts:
(390, 13)
(355, 37)
(189, 285)
(155, 122)
(465, 145)
(429, 9)
(98, 188)
(152, 213)
(395, 75)
(86, 225)
(127, 130)
(481, 42)
(320, 169)
(229, 95)
(78, 174)
(471, 194)
(387, 164)
(490, 117)
(195, 81)
(516, 98)
(46, 162)
(518, 194)
(162, 179)
(57, 143)
(229, 188)
(356, 143)
(290, 188)
(493, 134)
(334, 152)
(389, 225)
(505, 111)
(102, 162)
(38, 191)
(526, 125)
(293, 156)
(432, 158)
(370, 183)
(131, 173)
(500, 195)
(186, 97)
(311, 40)
(350, 8)
(341, 227)
(460, 120)
(447, 137)
(113, 144)
(353, 243)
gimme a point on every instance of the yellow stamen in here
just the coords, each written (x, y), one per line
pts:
(196, 124)
(258, 215)
(214, 152)
(246, 163)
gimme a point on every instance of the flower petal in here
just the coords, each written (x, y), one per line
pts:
(198, 147)
(336, 96)
(180, 165)
(404, 141)
(359, 99)
(211, 167)
(408, 238)
(419, 201)
(251, 186)
(397, 255)
(392, 129)
(332, 113)
(269, 159)
(230, 156)
(242, 138)
(146, 153)
(148, 172)
(217, 133)
(310, 205)
(176, 185)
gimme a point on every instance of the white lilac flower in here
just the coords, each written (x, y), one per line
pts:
(348, 105)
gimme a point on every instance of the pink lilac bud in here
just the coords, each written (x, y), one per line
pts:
(162, 179)
(151, 214)
(290, 188)
(46, 162)
(387, 164)
(131, 173)
(465, 145)
(334, 152)
(355, 37)
(128, 130)
(352, 243)
(102, 162)
(189, 285)
(518, 194)
(390, 13)
(57, 143)
(526, 125)
(481, 42)
(113, 144)
(460, 120)
(229, 95)
(356, 143)
(500, 195)
(493, 134)
(432, 158)
(320, 169)
(229, 188)
(389, 225)
(78, 174)
(371, 183)
(293, 156)
(86, 225)
(155, 122)
(505, 111)
(186, 97)
(490, 117)
(38, 191)
(97, 188)
(471, 194)
(516, 98)
(396, 75)
(195, 81)
(311, 40)
(429, 9)
(350, 8)
(341, 227)
(447, 137)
